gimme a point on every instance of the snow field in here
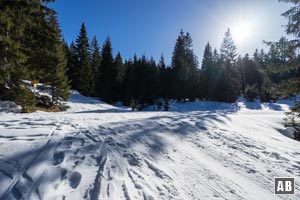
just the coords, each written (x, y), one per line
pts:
(207, 150)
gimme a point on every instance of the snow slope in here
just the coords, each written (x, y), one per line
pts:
(207, 150)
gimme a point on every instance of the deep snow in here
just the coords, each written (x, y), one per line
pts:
(202, 150)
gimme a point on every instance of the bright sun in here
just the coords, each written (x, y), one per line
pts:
(242, 31)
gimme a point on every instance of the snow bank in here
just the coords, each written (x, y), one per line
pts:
(289, 132)
(240, 105)
(9, 106)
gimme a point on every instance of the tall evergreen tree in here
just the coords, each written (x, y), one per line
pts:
(208, 69)
(72, 66)
(57, 74)
(292, 14)
(207, 60)
(293, 27)
(108, 72)
(164, 78)
(120, 76)
(95, 65)
(228, 58)
(12, 28)
(249, 73)
(184, 67)
(83, 69)
(228, 48)
(129, 82)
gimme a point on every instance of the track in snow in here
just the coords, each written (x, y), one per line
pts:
(97, 151)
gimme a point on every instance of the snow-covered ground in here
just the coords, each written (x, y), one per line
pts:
(204, 150)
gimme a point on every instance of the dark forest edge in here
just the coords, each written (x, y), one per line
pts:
(32, 48)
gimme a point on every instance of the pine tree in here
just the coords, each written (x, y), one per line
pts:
(38, 40)
(228, 48)
(184, 67)
(129, 82)
(12, 52)
(293, 27)
(207, 60)
(32, 47)
(293, 119)
(108, 72)
(120, 76)
(208, 69)
(292, 14)
(164, 78)
(57, 73)
(96, 65)
(152, 81)
(72, 66)
(83, 68)
(24, 30)
(231, 75)
(248, 72)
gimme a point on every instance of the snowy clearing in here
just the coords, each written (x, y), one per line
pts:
(207, 150)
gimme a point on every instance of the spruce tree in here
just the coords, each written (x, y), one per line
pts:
(231, 75)
(228, 48)
(249, 72)
(208, 71)
(184, 67)
(120, 76)
(164, 78)
(292, 14)
(293, 28)
(107, 76)
(12, 51)
(38, 39)
(57, 72)
(96, 65)
(83, 68)
(72, 66)
(129, 82)
(31, 47)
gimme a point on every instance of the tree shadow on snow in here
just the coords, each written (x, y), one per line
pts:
(145, 135)
(148, 134)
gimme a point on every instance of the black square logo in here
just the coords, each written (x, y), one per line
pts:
(284, 185)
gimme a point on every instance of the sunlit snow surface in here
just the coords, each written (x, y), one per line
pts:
(199, 150)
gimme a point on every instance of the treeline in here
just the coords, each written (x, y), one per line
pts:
(222, 75)
(32, 48)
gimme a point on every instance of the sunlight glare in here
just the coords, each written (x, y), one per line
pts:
(242, 31)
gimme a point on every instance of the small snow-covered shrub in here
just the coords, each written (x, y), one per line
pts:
(9, 106)
(166, 105)
(64, 107)
(23, 97)
(251, 92)
(44, 101)
(159, 105)
(292, 119)
(133, 105)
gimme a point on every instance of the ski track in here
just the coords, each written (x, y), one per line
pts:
(97, 151)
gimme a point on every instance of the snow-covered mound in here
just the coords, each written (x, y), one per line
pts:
(79, 103)
(9, 106)
(98, 151)
(280, 105)
(289, 132)
(240, 105)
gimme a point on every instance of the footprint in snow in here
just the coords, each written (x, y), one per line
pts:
(58, 157)
(133, 160)
(278, 157)
(74, 179)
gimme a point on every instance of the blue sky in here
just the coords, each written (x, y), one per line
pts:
(151, 27)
